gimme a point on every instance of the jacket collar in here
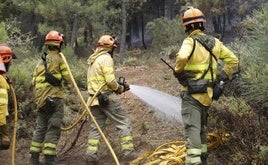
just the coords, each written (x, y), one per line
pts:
(197, 31)
(99, 51)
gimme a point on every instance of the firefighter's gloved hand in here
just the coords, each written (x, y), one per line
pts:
(120, 89)
(222, 76)
(183, 76)
(126, 87)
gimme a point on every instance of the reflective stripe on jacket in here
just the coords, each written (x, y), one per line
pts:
(57, 67)
(4, 86)
(199, 62)
(101, 71)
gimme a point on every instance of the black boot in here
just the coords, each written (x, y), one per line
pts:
(92, 159)
(4, 145)
(35, 158)
(204, 157)
(129, 155)
(50, 160)
(92, 162)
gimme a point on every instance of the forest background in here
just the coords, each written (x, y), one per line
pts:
(146, 31)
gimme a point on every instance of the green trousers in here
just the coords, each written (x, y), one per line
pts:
(4, 137)
(47, 132)
(116, 114)
(194, 116)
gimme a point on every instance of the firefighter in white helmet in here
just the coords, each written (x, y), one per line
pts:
(196, 70)
(107, 105)
(6, 55)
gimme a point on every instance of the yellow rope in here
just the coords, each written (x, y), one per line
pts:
(89, 112)
(173, 153)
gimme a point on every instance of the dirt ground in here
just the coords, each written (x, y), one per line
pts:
(150, 129)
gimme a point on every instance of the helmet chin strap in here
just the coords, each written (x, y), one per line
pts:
(111, 52)
(60, 46)
(7, 66)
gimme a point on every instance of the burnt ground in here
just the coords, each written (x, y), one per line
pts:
(150, 129)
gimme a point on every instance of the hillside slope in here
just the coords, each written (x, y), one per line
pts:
(150, 128)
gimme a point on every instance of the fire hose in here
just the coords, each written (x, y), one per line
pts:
(88, 111)
(89, 102)
(15, 124)
(173, 153)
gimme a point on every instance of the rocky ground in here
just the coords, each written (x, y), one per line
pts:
(150, 128)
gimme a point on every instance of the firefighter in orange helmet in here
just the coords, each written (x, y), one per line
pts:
(48, 81)
(196, 70)
(107, 105)
(6, 55)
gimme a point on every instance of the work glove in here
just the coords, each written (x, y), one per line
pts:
(120, 89)
(183, 77)
(218, 87)
(222, 76)
(121, 81)
(126, 87)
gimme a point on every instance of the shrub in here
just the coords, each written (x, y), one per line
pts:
(253, 61)
(247, 140)
(165, 32)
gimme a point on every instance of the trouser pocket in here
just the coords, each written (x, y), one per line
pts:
(103, 100)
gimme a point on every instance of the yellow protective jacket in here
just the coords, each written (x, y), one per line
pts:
(4, 87)
(101, 71)
(43, 89)
(199, 62)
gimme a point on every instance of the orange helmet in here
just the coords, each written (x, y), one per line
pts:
(107, 41)
(54, 38)
(192, 15)
(6, 53)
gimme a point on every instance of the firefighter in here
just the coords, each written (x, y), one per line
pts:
(107, 105)
(6, 55)
(196, 70)
(49, 77)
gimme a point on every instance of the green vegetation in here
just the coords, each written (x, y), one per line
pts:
(244, 114)
(254, 61)
(242, 111)
(165, 32)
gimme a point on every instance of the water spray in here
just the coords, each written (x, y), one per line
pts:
(160, 101)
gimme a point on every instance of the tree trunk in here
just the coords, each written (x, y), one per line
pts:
(215, 24)
(85, 37)
(122, 50)
(219, 24)
(223, 26)
(142, 31)
(73, 38)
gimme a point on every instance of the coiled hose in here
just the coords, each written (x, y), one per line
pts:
(173, 153)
